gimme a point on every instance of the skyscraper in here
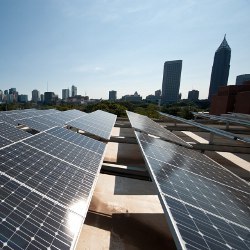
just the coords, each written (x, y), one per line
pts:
(193, 95)
(65, 94)
(35, 95)
(171, 81)
(242, 78)
(220, 69)
(73, 91)
(112, 95)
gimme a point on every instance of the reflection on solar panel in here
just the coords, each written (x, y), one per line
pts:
(145, 124)
(50, 119)
(11, 133)
(98, 123)
(46, 185)
(37, 125)
(206, 205)
(32, 221)
(58, 180)
(77, 139)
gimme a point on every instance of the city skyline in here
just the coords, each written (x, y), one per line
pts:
(99, 46)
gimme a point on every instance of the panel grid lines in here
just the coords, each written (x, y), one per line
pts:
(146, 125)
(205, 213)
(46, 182)
(32, 221)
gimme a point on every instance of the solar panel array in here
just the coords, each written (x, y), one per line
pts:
(10, 134)
(226, 119)
(98, 123)
(46, 183)
(145, 124)
(13, 116)
(209, 129)
(207, 206)
(44, 122)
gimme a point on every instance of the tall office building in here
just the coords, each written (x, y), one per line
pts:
(193, 95)
(220, 69)
(65, 94)
(12, 91)
(42, 98)
(112, 95)
(35, 96)
(158, 93)
(171, 81)
(49, 98)
(13, 95)
(242, 78)
(73, 91)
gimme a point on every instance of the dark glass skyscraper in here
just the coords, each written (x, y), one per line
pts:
(171, 81)
(220, 70)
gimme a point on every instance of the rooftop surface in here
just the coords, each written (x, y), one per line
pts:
(126, 213)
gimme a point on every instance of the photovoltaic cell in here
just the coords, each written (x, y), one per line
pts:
(146, 125)
(197, 165)
(176, 149)
(33, 124)
(31, 221)
(77, 139)
(202, 230)
(45, 120)
(12, 133)
(46, 188)
(98, 123)
(58, 180)
(4, 142)
(74, 154)
(204, 211)
(6, 119)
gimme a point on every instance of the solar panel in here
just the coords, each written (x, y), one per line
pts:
(4, 141)
(209, 129)
(73, 113)
(30, 220)
(77, 139)
(46, 120)
(72, 153)
(206, 205)
(46, 189)
(199, 229)
(31, 123)
(11, 133)
(145, 124)
(98, 123)
(58, 180)
(6, 119)
(223, 118)
(173, 148)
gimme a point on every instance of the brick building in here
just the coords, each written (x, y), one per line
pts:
(232, 98)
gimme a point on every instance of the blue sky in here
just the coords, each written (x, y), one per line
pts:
(100, 45)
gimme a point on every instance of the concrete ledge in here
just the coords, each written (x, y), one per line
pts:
(221, 148)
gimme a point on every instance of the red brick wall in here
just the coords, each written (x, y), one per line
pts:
(231, 99)
(242, 102)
